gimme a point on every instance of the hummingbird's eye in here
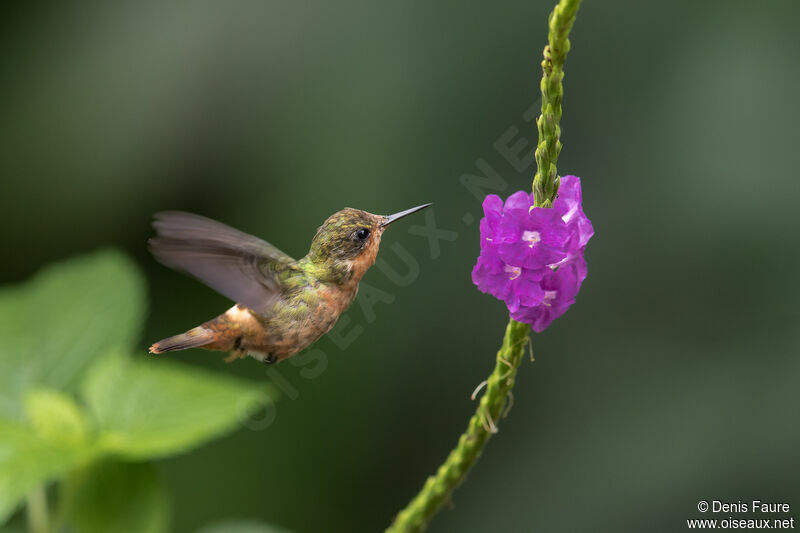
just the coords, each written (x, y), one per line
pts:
(362, 234)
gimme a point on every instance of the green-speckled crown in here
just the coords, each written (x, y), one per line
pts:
(338, 238)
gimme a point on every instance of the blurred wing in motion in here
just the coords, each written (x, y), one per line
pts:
(237, 265)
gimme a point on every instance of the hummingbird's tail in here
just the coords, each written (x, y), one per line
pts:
(194, 338)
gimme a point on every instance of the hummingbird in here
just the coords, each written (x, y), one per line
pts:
(282, 305)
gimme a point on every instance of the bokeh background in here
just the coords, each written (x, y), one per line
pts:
(674, 378)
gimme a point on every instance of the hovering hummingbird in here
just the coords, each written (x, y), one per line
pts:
(282, 305)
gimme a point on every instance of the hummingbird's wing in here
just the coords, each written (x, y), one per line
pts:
(237, 265)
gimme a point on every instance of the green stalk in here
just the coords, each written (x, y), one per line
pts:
(38, 521)
(546, 181)
(483, 424)
(437, 488)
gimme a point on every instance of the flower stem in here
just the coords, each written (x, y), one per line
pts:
(38, 521)
(545, 183)
(483, 424)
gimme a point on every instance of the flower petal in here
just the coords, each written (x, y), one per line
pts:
(532, 259)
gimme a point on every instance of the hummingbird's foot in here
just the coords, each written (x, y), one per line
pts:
(238, 352)
(270, 359)
(234, 355)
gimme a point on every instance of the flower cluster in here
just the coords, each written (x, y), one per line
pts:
(532, 257)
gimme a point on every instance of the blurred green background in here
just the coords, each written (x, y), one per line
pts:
(674, 379)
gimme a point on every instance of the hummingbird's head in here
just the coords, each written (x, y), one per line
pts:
(346, 244)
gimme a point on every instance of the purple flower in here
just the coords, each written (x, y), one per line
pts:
(568, 205)
(493, 214)
(517, 286)
(533, 238)
(560, 287)
(532, 258)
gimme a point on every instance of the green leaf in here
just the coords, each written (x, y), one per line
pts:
(54, 440)
(116, 496)
(241, 526)
(27, 461)
(53, 326)
(15, 525)
(155, 408)
(55, 417)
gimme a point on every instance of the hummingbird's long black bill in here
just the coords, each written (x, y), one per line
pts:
(388, 219)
